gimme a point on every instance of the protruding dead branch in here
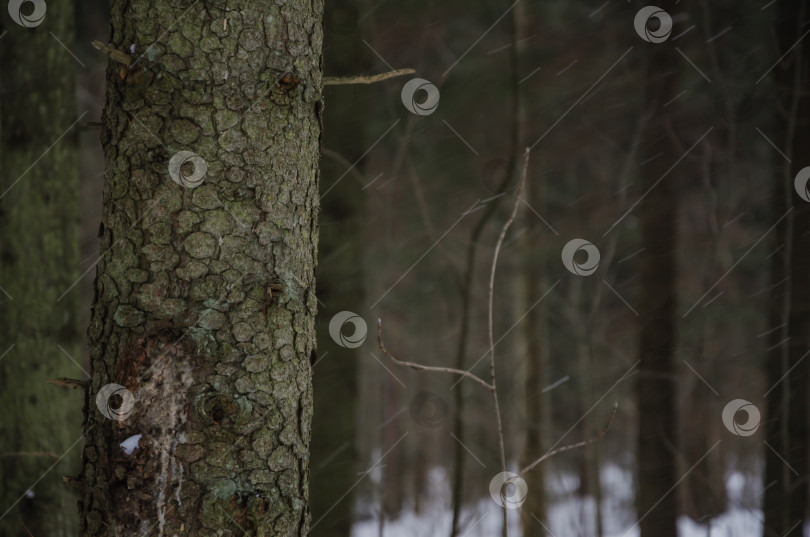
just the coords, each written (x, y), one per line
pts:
(420, 367)
(365, 79)
(113, 53)
(70, 383)
(584, 443)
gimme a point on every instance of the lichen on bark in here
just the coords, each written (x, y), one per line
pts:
(205, 298)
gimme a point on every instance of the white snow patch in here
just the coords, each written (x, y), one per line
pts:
(130, 444)
(568, 515)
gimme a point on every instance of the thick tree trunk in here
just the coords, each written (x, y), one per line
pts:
(656, 500)
(205, 295)
(39, 211)
(785, 501)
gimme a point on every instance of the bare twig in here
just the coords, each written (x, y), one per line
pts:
(498, 245)
(420, 367)
(365, 79)
(70, 383)
(113, 53)
(19, 517)
(596, 438)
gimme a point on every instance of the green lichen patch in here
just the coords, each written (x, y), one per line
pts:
(200, 245)
(128, 316)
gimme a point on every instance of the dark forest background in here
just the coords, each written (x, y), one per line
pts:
(676, 160)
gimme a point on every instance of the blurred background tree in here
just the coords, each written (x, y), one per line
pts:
(40, 331)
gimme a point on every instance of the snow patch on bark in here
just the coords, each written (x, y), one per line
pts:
(169, 379)
(131, 444)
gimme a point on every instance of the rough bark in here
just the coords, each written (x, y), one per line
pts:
(785, 501)
(38, 261)
(655, 387)
(205, 302)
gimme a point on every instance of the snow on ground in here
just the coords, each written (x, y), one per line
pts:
(569, 516)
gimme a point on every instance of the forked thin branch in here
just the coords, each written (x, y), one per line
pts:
(492, 387)
(584, 443)
(498, 245)
(420, 367)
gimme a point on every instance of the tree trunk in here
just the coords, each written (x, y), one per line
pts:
(39, 211)
(655, 388)
(205, 293)
(536, 337)
(786, 427)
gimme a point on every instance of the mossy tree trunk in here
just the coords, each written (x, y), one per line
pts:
(39, 219)
(205, 301)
